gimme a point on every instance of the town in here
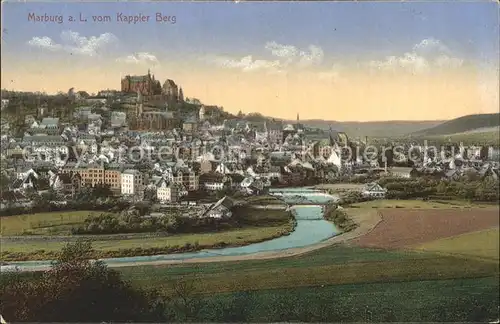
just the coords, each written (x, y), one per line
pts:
(147, 141)
(263, 162)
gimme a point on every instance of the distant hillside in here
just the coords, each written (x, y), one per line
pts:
(462, 125)
(392, 128)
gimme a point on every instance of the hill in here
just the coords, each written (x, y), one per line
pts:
(374, 128)
(465, 124)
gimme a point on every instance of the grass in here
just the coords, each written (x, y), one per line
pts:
(458, 300)
(482, 244)
(327, 266)
(255, 226)
(429, 204)
(336, 283)
(51, 223)
(340, 186)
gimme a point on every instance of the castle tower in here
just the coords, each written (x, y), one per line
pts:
(201, 113)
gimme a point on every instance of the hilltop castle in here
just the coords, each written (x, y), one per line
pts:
(148, 86)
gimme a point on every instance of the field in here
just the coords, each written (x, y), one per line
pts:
(43, 223)
(415, 265)
(389, 274)
(422, 204)
(334, 265)
(458, 300)
(405, 227)
(482, 244)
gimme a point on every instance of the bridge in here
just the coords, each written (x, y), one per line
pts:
(303, 197)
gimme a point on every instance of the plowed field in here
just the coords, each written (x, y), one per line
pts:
(406, 227)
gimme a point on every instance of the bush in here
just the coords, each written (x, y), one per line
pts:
(77, 290)
(339, 217)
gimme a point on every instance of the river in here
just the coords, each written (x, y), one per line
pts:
(311, 229)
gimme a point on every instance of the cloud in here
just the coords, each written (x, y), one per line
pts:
(44, 42)
(427, 55)
(140, 58)
(246, 64)
(313, 57)
(73, 42)
(283, 56)
(286, 53)
(289, 54)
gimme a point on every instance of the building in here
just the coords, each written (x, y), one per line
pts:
(201, 113)
(157, 120)
(132, 184)
(49, 126)
(374, 190)
(153, 120)
(220, 209)
(400, 172)
(274, 132)
(95, 175)
(144, 84)
(190, 124)
(118, 119)
(167, 191)
(171, 91)
(214, 181)
(67, 183)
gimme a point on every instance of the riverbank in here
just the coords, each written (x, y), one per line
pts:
(367, 220)
(310, 220)
(48, 250)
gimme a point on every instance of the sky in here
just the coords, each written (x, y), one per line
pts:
(345, 61)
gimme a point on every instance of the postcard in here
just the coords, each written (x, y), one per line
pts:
(239, 161)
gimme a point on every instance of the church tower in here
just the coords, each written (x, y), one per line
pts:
(201, 113)
(139, 104)
(298, 118)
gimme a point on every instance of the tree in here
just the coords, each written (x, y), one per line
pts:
(76, 289)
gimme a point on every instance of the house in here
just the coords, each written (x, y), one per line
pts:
(49, 126)
(274, 131)
(28, 181)
(400, 172)
(214, 181)
(261, 133)
(67, 183)
(221, 209)
(190, 124)
(118, 119)
(16, 150)
(132, 184)
(374, 190)
(167, 191)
